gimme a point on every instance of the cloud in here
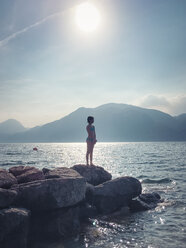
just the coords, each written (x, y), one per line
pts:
(154, 101)
(173, 105)
(14, 35)
(179, 105)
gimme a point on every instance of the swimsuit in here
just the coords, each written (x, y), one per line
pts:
(92, 129)
(90, 140)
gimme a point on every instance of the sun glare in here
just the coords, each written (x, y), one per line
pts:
(87, 17)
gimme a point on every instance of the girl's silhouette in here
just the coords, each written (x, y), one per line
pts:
(91, 139)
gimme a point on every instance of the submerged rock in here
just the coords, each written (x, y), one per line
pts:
(145, 202)
(94, 175)
(51, 193)
(7, 197)
(14, 224)
(112, 195)
(6, 179)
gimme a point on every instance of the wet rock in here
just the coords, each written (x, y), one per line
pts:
(150, 198)
(115, 194)
(53, 193)
(145, 202)
(94, 175)
(87, 211)
(6, 179)
(14, 224)
(7, 197)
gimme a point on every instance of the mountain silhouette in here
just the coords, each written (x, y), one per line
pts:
(11, 126)
(113, 122)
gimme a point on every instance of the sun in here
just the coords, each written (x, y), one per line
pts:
(87, 17)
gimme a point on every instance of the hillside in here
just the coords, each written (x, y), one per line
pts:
(113, 122)
(11, 126)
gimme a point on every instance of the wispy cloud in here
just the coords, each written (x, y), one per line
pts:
(26, 29)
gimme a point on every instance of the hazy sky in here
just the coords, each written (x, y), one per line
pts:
(49, 67)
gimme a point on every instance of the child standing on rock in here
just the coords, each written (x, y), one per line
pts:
(91, 139)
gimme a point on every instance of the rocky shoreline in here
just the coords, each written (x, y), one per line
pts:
(54, 204)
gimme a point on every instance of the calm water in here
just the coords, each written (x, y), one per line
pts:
(161, 167)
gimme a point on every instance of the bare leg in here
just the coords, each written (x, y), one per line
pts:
(87, 157)
(91, 155)
(90, 147)
(88, 152)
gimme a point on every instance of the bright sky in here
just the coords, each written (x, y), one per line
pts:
(50, 65)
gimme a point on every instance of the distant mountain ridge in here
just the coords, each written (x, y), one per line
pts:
(11, 126)
(113, 122)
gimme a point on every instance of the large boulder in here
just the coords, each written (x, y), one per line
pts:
(52, 193)
(14, 224)
(7, 197)
(94, 175)
(6, 179)
(145, 202)
(26, 174)
(60, 172)
(112, 195)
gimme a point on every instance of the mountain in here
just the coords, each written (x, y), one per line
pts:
(11, 126)
(113, 122)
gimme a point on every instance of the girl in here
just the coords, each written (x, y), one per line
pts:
(91, 139)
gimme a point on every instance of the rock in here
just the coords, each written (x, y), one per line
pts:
(60, 172)
(14, 224)
(87, 211)
(30, 175)
(6, 179)
(89, 193)
(150, 198)
(61, 223)
(7, 197)
(94, 175)
(112, 195)
(26, 174)
(145, 202)
(117, 215)
(18, 170)
(51, 193)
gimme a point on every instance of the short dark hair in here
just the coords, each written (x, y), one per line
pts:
(90, 118)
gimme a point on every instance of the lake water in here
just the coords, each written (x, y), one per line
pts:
(160, 166)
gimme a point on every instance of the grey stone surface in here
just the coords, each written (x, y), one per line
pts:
(7, 197)
(145, 202)
(6, 179)
(26, 174)
(18, 170)
(112, 195)
(52, 193)
(14, 224)
(55, 224)
(94, 175)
